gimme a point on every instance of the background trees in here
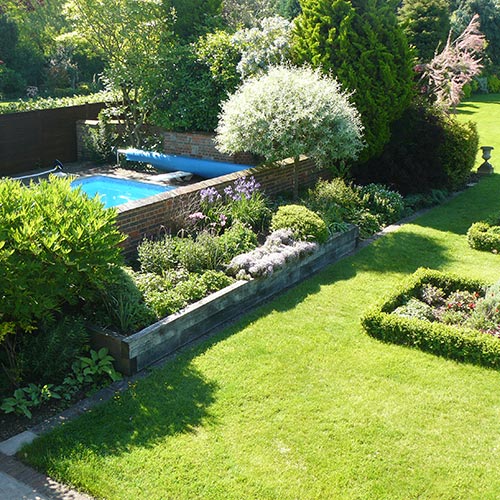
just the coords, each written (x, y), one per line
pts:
(426, 24)
(361, 44)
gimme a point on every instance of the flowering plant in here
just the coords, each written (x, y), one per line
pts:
(242, 201)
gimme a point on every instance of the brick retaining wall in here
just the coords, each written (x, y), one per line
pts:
(150, 217)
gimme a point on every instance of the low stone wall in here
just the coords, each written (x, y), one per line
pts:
(152, 216)
(134, 353)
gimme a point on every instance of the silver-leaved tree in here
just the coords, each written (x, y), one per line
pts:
(290, 112)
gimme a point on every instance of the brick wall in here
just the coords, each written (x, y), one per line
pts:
(193, 145)
(201, 145)
(152, 216)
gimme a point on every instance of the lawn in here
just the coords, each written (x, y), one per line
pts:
(297, 402)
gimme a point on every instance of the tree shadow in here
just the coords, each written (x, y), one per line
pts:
(177, 398)
(479, 202)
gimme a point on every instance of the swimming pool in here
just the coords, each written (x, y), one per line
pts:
(114, 191)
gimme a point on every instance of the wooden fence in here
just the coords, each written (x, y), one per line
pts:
(34, 139)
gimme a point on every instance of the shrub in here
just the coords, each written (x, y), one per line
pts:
(58, 249)
(279, 248)
(428, 150)
(200, 254)
(458, 151)
(158, 256)
(305, 224)
(47, 354)
(289, 112)
(385, 204)
(121, 305)
(483, 236)
(236, 240)
(457, 342)
(494, 84)
(173, 295)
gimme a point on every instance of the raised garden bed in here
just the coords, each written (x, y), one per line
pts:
(140, 350)
(459, 342)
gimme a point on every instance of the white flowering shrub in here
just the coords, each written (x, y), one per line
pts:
(289, 112)
(262, 46)
(280, 247)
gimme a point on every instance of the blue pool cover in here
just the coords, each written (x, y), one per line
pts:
(114, 192)
(203, 168)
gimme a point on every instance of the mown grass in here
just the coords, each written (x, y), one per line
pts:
(296, 401)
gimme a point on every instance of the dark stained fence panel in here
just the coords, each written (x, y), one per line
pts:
(34, 139)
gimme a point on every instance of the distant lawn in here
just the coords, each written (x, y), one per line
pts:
(485, 110)
(297, 402)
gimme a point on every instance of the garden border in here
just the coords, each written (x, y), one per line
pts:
(454, 342)
(140, 350)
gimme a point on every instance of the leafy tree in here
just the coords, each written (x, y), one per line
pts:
(360, 43)
(455, 65)
(290, 112)
(489, 14)
(264, 45)
(426, 24)
(188, 97)
(130, 36)
(193, 17)
(246, 13)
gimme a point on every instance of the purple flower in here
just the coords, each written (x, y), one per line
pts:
(222, 220)
(210, 195)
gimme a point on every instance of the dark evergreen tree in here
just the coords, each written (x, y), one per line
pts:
(360, 43)
(489, 16)
(426, 24)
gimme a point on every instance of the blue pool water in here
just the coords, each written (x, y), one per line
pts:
(114, 192)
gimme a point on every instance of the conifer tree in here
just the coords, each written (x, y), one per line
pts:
(426, 24)
(360, 43)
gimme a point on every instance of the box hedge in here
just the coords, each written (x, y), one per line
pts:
(455, 342)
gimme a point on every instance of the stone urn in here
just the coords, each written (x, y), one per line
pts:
(486, 168)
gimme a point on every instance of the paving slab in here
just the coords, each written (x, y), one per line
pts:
(11, 446)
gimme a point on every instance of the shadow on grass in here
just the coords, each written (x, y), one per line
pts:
(480, 202)
(176, 399)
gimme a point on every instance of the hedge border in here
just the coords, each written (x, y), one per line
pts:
(454, 342)
(480, 237)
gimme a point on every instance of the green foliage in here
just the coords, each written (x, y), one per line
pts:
(158, 256)
(360, 42)
(289, 112)
(188, 96)
(242, 201)
(171, 293)
(456, 342)
(193, 17)
(426, 24)
(47, 353)
(458, 151)
(262, 46)
(238, 239)
(494, 84)
(369, 207)
(484, 236)
(51, 103)
(385, 204)
(428, 150)
(58, 249)
(218, 52)
(11, 82)
(121, 305)
(489, 13)
(305, 224)
(87, 372)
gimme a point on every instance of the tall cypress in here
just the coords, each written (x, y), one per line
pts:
(360, 43)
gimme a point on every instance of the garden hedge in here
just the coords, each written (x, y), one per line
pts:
(455, 342)
(484, 236)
